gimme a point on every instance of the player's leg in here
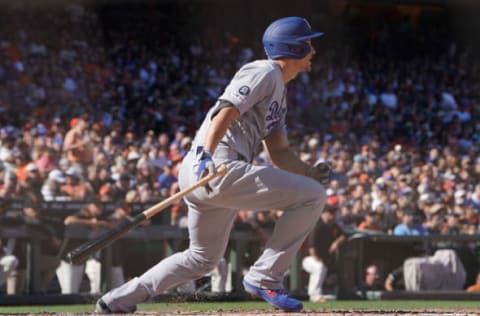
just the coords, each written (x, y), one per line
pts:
(12, 282)
(9, 273)
(188, 287)
(93, 270)
(70, 277)
(209, 232)
(8, 263)
(259, 188)
(317, 271)
(8, 266)
(218, 277)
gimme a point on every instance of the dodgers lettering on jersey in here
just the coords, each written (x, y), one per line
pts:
(259, 93)
(276, 113)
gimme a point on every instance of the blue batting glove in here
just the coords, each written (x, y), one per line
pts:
(205, 165)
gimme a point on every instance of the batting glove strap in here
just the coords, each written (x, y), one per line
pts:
(320, 171)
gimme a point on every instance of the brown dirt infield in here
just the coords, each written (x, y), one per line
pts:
(277, 313)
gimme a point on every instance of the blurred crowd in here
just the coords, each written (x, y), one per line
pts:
(93, 113)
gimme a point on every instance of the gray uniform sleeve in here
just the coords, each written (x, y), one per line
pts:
(249, 86)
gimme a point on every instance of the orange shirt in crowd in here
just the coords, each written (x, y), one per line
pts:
(22, 173)
(473, 288)
(366, 226)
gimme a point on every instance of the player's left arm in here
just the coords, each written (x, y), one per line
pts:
(282, 156)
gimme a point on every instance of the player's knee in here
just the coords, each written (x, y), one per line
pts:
(10, 263)
(316, 196)
(203, 264)
(312, 264)
(313, 188)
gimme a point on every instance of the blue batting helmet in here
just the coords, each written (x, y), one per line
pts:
(286, 38)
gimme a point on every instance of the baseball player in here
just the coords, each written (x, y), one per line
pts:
(250, 112)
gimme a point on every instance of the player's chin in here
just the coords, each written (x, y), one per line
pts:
(308, 68)
(309, 65)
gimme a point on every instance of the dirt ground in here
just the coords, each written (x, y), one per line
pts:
(329, 313)
(304, 313)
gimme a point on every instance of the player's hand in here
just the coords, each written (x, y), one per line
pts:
(205, 165)
(321, 171)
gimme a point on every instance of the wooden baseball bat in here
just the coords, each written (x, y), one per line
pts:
(85, 250)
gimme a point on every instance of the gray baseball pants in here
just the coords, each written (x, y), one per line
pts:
(211, 217)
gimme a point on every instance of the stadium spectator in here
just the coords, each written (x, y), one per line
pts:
(8, 153)
(49, 230)
(31, 186)
(370, 222)
(46, 162)
(408, 227)
(99, 177)
(78, 145)
(434, 219)
(469, 216)
(474, 287)
(8, 269)
(395, 280)
(132, 160)
(10, 189)
(117, 191)
(51, 186)
(75, 188)
(452, 225)
(475, 196)
(166, 180)
(371, 282)
(324, 241)
(91, 216)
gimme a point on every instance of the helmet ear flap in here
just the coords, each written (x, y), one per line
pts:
(277, 50)
(299, 49)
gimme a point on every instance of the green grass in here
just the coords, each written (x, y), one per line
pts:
(257, 305)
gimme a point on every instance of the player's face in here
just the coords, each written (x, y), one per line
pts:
(305, 64)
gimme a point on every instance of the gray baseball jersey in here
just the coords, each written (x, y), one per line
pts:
(259, 93)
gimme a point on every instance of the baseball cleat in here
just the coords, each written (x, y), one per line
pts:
(102, 308)
(276, 298)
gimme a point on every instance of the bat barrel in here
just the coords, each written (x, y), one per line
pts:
(84, 251)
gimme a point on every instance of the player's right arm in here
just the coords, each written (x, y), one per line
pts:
(219, 125)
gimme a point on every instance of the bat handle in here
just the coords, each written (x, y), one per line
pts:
(222, 170)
